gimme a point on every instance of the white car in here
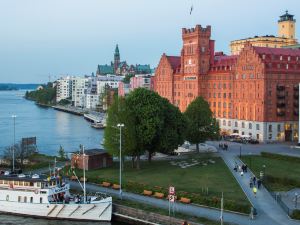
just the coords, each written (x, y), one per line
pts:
(207, 148)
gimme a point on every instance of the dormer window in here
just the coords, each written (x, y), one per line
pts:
(263, 56)
(287, 66)
(289, 58)
(280, 58)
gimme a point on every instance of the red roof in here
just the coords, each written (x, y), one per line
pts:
(174, 61)
(277, 51)
(225, 60)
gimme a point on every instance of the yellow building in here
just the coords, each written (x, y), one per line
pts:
(286, 36)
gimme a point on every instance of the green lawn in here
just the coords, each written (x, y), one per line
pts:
(192, 182)
(282, 173)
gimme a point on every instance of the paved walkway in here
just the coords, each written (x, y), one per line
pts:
(190, 209)
(268, 210)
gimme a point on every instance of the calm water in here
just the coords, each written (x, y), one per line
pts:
(52, 128)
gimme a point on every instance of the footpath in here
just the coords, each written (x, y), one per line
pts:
(187, 209)
(269, 212)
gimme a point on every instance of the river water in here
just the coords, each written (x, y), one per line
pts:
(52, 129)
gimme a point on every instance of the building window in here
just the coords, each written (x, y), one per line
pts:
(257, 126)
(41, 200)
(280, 58)
(224, 95)
(278, 128)
(224, 122)
(31, 199)
(250, 125)
(19, 198)
(287, 66)
(270, 128)
(219, 104)
(214, 104)
(224, 105)
(25, 199)
(243, 125)
(229, 123)
(236, 124)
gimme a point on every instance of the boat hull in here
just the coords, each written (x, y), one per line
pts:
(100, 211)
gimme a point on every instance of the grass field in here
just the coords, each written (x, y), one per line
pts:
(284, 171)
(204, 183)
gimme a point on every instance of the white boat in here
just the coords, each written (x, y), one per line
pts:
(98, 125)
(49, 197)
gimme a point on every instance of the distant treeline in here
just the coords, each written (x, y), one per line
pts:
(43, 96)
(10, 86)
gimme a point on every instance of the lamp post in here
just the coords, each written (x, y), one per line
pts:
(264, 169)
(120, 125)
(250, 160)
(296, 198)
(14, 146)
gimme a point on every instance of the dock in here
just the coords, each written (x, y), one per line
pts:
(69, 109)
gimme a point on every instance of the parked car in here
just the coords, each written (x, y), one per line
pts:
(254, 141)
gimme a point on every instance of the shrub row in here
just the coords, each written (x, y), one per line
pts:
(282, 180)
(211, 201)
(280, 157)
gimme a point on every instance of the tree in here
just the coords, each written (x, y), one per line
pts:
(21, 152)
(118, 113)
(173, 130)
(61, 153)
(201, 124)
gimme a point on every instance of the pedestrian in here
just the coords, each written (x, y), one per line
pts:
(185, 223)
(243, 168)
(235, 168)
(246, 168)
(252, 213)
(251, 184)
(240, 168)
(242, 173)
(258, 183)
(254, 191)
(254, 180)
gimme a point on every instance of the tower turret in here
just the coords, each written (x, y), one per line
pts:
(286, 26)
(116, 58)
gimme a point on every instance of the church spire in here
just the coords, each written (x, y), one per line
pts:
(116, 58)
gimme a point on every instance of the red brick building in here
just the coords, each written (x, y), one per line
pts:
(94, 159)
(255, 93)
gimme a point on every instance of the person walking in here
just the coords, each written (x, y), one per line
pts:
(254, 191)
(254, 180)
(258, 183)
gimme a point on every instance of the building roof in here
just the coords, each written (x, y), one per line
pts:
(94, 151)
(292, 46)
(105, 69)
(286, 17)
(225, 60)
(277, 51)
(175, 61)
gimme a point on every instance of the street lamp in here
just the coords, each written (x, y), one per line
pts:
(14, 146)
(120, 125)
(296, 199)
(250, 160)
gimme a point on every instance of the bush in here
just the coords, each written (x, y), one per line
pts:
(296, 214)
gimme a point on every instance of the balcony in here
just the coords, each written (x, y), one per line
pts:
(280, 88)
(280, 95)
(280, 105)
(280, 113)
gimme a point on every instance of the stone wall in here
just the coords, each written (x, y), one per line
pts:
(137, 216)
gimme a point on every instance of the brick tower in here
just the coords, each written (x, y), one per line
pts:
(196, 50)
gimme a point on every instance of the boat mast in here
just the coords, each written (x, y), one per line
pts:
(83, 164)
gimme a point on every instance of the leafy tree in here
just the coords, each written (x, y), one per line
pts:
(126, 80)
(61, 153)
(173, 130)
(201, 124)
(118, 113)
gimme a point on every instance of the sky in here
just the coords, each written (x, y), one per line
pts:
(42, 39)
